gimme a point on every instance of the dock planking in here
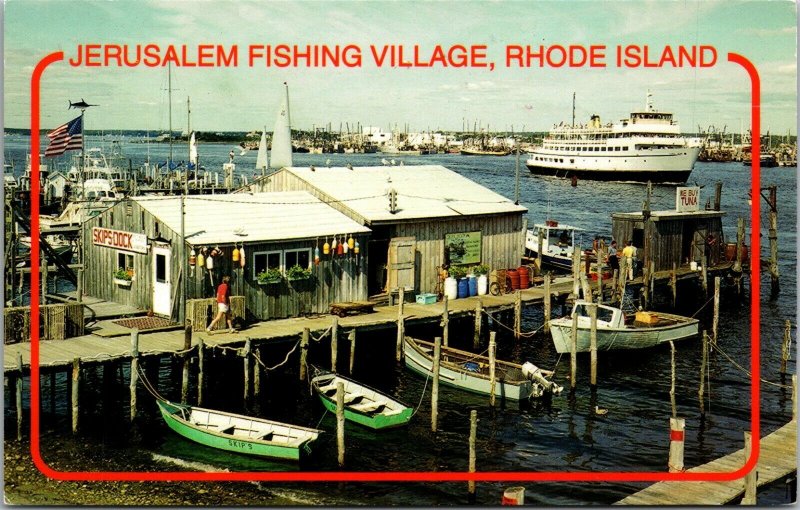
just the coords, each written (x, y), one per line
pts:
(777, 459)
(96, 349)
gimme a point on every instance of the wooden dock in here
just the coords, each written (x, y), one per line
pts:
(97, 349)
(777, 459)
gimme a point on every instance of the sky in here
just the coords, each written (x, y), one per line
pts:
(244, 98)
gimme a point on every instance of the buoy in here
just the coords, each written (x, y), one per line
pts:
(351, 242)
(357, 248)
(210, 261)
(346, 246)
(316, 256)
(326, 248)
(339, 248)
(241, 256)
(192, 258)
(235, 256)
(201, 260)
(334, 244)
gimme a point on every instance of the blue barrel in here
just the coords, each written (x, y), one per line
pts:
(463, 288)
(473, 286)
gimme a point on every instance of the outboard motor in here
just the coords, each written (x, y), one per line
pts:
(535, 373)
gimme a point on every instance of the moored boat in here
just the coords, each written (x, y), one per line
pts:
(468, 371)
(362, 404)
(558, 243)
(613, 333)
(237, 433)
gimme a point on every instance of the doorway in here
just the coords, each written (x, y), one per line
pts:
(162, 286)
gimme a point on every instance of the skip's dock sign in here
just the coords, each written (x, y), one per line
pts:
(120, 240)
(687, 199)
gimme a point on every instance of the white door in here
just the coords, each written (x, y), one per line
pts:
(162, 287)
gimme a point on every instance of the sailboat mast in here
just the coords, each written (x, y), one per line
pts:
(288, 111)
(573, 109)
(169, 89)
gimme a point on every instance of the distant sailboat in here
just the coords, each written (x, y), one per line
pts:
(282, 136)
(262, 159)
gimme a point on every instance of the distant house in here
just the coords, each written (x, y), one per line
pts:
(439, 217)
(141, 236)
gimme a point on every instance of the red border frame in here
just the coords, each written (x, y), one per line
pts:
(360, 476)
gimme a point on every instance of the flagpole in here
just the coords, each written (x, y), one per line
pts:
(83, 156)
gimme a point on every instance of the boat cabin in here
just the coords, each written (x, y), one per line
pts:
(607, 316)
(558, 242)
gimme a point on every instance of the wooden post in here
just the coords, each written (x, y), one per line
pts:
(573, 354)
(593, 344)
(547, 303)
(304, 353)
(600, 256)
(334, 343)
(352, 337)
(673, 282)
(717, 195)
(715, 320)
(256, 375)
(676, 435)
(401, 326)
(703, 363)
(518, 314)
(134, 370)
(540, 249)
(445, 321)
(704, 276)
(786, 345)
(646, 284)
(492, 366)
(576, 269)
(737, 266)
(201, 375)
(76, 374)
(187, 344)
(19, 397)
(672, 379)
(794, 397)
(587, 290)
(651, 277)
(773, 241)
(43, 270)
(623, 276)
(751, 477)
(340, 421)
(476, 338)
(473, 435)
(437, 352)
(246, 362)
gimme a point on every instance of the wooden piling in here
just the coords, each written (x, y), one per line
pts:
(352, 338)
(677, 428)
(476, 339)
(646, 285)
(19, 397)
(717, 195)
(437, 353)
(794, 396)
(547, 303)
(256, 375)
(786, 345)
(304, 353)
(750, 479)
(737, 266)
(134, 377)
(573, 354)
(201, 374)
(600, 257)
(401, 326)
(340, 422)
(76, 374)
(703, 364)
(518, 314)
(473, 437)
(445, 321)
(334, 343)
(187, 344)
(540, 251)
(492, 366)
(576, 269)
(673, 282)
(593, 344)
(715, 320)
(704, 277)
(246, 364)
(623, 276)
(672, 380)
(773, 241)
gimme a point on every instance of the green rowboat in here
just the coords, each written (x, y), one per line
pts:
(237, 433)
(362, 404)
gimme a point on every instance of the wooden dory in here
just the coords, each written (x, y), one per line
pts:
(362, 404)
(648, 329)
(237, 433)
(470, 372)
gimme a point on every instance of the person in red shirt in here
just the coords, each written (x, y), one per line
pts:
(223, 304)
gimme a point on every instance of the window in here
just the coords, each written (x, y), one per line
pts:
(266, 260)
(300, 258)
(124, 260)
(161, 268)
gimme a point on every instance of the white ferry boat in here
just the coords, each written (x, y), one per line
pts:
(648, 146)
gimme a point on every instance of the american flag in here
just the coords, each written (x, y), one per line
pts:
(66, 137)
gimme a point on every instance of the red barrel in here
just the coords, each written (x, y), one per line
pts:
(513, 275)
(730, 252)
(524, 277)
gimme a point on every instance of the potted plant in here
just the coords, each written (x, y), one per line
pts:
(123, 277)
(457, 272)
(296, 272)
(480, 269)
(269, 276)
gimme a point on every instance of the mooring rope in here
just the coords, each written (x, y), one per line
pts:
(148, 385)
(748, 373)
(701, 308)
(422, 396)
(526, 334)
(285, 360)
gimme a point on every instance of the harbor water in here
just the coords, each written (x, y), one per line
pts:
(565, 433)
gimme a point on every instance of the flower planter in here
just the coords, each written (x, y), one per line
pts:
(298, 278)
(123, 283)
(269, 281)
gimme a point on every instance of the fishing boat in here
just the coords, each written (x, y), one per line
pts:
(474, 151)
(647, 146)
(468, 371)
(237, 433)
(558, 243)
(362, 404)
(646, 329)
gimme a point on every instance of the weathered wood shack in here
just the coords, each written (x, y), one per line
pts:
(672, 237)
(141, 237)
(421, 217)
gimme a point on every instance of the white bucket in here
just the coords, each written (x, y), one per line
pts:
(514, 496)
(693, 265)
(483, 285)
(451, 288)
